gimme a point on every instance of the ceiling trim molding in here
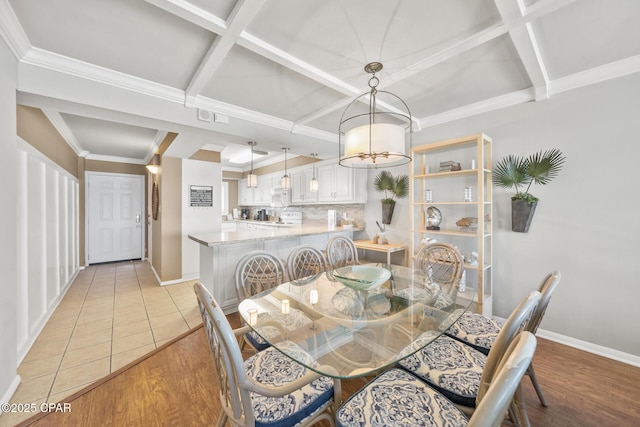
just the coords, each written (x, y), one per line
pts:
(262, 119)
(12, 31)
(191, 13)
(157, 140)
(485, 106)
(61, 126)
(621, 68)
(63, 64)
(240, 17)
(116, 159)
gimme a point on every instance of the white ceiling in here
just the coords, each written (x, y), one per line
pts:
(115, 76)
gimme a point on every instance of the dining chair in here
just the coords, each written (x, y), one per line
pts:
(397, 397)
(268, 388)
(305, 263)
(341, 251)
(255, 272)
(458, 371)
(480, 331)
(442, 265)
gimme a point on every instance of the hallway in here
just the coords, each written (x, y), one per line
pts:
(111, 315)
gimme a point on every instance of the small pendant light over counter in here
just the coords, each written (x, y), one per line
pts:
(285, 182)
(314, 181)
(252, 178)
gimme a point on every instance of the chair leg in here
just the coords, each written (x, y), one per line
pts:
(222, 419)
(536, 386)
(521, 408)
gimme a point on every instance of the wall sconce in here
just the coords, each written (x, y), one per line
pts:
(154, 166)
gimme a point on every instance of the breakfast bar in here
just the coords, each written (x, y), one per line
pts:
(221, 250)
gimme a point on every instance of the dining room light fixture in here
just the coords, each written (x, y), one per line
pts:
(285, 182)
(313, 185)
(371, 137)
(252, 178)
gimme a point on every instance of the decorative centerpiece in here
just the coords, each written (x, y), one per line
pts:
(362, 277)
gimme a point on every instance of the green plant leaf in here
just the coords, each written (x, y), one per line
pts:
(542, 167)
(392, 186)
(510, 173)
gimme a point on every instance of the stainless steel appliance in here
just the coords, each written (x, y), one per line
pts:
(280, 197)
(244, 213)
(262, 215)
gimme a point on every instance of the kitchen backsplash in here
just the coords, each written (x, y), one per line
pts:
(318, 213)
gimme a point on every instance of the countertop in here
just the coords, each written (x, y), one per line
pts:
(228, 237)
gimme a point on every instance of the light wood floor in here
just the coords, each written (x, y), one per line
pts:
(176, 386)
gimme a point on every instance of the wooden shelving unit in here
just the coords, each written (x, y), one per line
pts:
(474, 155)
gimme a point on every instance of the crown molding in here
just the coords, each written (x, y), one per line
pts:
(12, 32)
(61, 126)
(115, 159)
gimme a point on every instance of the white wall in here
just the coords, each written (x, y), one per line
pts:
(586, 224)
(198, 219)
(8, 243)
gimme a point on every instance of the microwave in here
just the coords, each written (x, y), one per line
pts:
(280, 197)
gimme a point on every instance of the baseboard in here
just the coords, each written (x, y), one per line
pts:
(6, 398)
(607, 352)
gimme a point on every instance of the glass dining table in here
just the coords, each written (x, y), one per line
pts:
(343, 332)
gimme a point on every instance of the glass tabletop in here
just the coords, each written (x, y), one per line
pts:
(348, 324)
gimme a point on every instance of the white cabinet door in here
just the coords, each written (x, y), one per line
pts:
(326, 183)
(335, 183)
(245, 194)
(344, 184)
(301, 186)
(262, 194)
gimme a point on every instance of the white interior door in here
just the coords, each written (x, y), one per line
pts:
(115, 217)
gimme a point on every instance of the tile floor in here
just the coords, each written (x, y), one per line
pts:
(111, 315)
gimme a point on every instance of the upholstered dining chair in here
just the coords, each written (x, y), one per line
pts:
(305, 263)
(480, 331)
(459, 371)
(397, 397)
(269, 388)
(255, 272)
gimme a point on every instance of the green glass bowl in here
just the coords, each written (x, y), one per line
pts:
(361, 277)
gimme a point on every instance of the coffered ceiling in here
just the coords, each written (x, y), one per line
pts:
(115, 76)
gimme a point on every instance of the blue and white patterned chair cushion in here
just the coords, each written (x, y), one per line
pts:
(397, 398)
(294, 320)
(474, 329)
(271, 367)
(449, 366)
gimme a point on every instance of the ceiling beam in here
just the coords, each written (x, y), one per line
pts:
(240, 17)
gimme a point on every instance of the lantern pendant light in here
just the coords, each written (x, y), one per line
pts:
(285, 182)
(375, 137)
(314, 181)
(252, 178)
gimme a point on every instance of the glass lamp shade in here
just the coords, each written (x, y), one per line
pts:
(154, 169)
(285, 182)
(314, 185)
(252, 180)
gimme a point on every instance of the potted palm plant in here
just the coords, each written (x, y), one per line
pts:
(393, 187)
(520, 172)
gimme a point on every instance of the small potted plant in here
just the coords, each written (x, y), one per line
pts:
(517, 172)
(393, 187)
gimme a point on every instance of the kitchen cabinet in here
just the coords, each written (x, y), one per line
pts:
(338, 184)
(301, 186)
(463, 200)
(245, 194)
(262, 194)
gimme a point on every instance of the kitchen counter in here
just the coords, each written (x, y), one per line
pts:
(220, 252)
(226, 237)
